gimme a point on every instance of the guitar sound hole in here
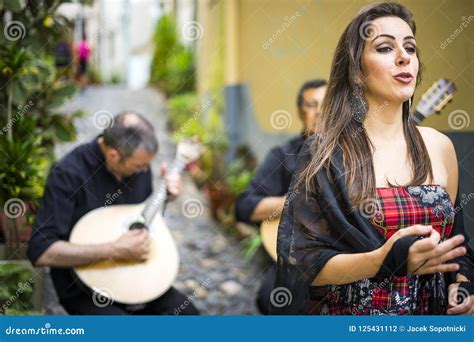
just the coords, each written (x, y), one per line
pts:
(137, 225)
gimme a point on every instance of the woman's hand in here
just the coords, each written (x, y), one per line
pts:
(460, 303)
(428, 256)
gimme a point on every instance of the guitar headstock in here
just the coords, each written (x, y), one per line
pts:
(435, 98)
(189, 150)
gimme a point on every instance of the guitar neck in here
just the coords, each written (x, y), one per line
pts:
(156, 202)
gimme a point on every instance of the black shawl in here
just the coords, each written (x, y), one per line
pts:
(315, 226)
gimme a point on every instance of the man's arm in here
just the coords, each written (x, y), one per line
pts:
(134, 245)
(264, 197)
(268, 207)
(64, 254)
(54, 218)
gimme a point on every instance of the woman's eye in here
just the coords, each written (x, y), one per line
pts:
(384, 49)
(410, 49)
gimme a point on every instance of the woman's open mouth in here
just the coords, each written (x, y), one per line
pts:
(404, 77)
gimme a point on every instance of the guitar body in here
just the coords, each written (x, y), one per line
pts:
(269, 234)
(127, 282)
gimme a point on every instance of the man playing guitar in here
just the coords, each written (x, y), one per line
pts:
(114, 167)
(264, 198)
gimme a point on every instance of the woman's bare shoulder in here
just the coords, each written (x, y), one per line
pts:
(440, 145)
(436, 140)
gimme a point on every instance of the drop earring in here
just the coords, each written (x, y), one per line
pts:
(359, 105)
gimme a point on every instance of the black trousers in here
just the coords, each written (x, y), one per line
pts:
(171, 302)
(263, 297)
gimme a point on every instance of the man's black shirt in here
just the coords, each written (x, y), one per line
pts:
(77, 184)
(273, 178)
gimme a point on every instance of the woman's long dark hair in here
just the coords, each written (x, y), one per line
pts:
(336, 126)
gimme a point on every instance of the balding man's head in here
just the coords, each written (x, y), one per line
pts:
(130, 131)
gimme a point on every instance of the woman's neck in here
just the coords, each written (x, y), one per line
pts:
(384, 120)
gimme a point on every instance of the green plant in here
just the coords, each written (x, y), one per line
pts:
(251, 245)
(37, 97)
(93, 74)
(23, 170)
(213, 160)
(165, 41)
(56, 127)
(181, 73)
(29, 73)
(16, 289)
(190, 117)
(238, 177)
(115, 78)
(172, 67)
(182, 111)
(29, 104)
(41, 24)
(15, 66)
(22, 178)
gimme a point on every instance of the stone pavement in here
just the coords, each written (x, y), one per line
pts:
(213, 272)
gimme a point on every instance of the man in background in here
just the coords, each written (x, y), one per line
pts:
(265, 196)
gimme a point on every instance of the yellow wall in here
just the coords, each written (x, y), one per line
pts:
(304, 49)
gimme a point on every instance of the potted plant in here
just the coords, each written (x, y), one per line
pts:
(213, 161)
(28, 109)
(30, 125)
(190, 117)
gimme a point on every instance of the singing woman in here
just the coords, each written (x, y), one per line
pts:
(375, 228)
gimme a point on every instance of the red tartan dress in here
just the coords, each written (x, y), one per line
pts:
(397, 208)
